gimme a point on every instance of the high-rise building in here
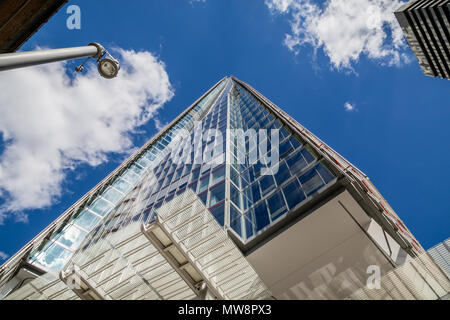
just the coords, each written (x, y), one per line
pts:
(232, 200)
(441, 255)
(20, 19)
(426, 26)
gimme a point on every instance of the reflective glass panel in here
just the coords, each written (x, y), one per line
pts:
(86, 220)
(261, 216)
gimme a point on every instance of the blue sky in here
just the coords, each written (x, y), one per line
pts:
(396, 131)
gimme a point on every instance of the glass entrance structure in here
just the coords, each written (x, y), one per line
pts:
(202, 209)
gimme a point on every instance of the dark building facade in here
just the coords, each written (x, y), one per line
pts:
(20, 19)
(426, 26)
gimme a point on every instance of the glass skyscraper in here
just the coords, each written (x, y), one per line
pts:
(232, 200)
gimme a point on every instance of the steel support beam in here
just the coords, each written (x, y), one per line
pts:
(17, 60)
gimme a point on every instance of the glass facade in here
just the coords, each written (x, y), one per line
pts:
(148, 232)
(60, 245)
(441, 255)
(213, 151)
(215, 163)
(258, 200)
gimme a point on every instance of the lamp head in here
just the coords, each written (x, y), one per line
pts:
(108, 68)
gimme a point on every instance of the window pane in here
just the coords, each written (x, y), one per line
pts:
(246, 203)
(283, 133)
(311, 181)
(218, 175)
(296, 162)
(193, 186)
(234, 213)
(294, 194)
(257, 169)
(276, 205)
(249, 227)
(204, 182)
(283, 174)
(183, 181)
(136, 169)
(173, 187)
(206, 167)
(285, 148)
(236, 220)
(267, 184)
(250, 174)
(295, 142)
(234, 176)
(122, 185)
(52, 256)
(86, 220)
(187, 168)
(178, 174)
(276, 125)
(101, 207)
(255, 192)
(203, 197)
(157, 206)
(325, 173)
(162, 193)
(181, 191)
(235, 196)
(149, 156)
(244, 182)
(261, 216)
(219, 213)
(130, 176)
(217, 194)
(167, 180)
(70, 236)
(112, 195)
(195, 174)
(236, 225)
(307, 155)
(144, 162)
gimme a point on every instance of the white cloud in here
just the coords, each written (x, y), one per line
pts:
(280, 5)
(196, 1)
(345, 29)
(349, 107)
(52, 124)
(3, 256)
(159, 124)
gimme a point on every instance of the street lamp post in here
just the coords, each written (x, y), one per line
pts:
(107, 67)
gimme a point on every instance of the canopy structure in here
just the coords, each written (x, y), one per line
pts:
(190, 236)
(182, 254)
